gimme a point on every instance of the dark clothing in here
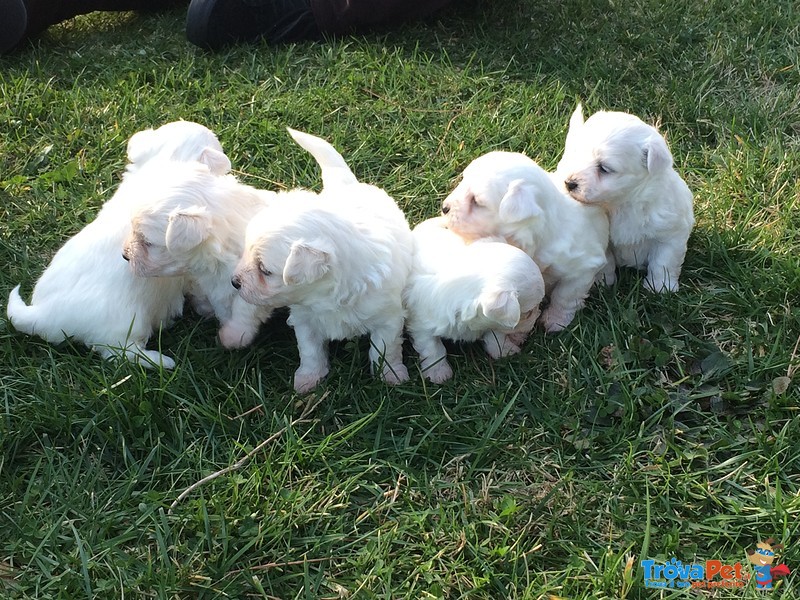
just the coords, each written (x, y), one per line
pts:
(343, 16)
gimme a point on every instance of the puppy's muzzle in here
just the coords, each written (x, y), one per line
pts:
(236, 282)
(125, 255)
(445, 209)
(571, 184)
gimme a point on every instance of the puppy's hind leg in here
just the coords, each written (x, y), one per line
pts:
(432, 357)
(386, 350)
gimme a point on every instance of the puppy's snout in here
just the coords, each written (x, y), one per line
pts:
(571, 184)
(125, 255)
(236, 282)
(445, 209)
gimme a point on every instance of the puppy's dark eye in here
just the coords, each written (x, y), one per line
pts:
(266, 272)
(146, 244)
(472, 200)
(604, 169)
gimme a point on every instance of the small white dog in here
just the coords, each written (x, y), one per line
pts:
(339, 260)
(87, 292)
(616, 161)
(507, 194)
(487, 290)
(182, 141)
(193, 226)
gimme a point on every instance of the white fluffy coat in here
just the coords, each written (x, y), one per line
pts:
(617, 162)
(487, 290)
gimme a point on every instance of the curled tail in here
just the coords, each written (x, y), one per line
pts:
(335, 171)
(22, 316)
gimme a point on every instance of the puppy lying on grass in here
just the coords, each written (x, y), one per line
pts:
(88, 293)
(339, 260)
(617, 162)
(507, 194)
(487, 290)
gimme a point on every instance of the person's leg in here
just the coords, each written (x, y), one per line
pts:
(343, 16)
(26, 18)
(212, 24)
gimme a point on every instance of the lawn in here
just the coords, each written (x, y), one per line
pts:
(655, 427)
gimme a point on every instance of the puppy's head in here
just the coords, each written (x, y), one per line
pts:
(180, 141)
(498, 191)
(170, 225)
(611, 155)
(285, 256)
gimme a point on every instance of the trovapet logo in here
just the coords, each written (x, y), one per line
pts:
(711, 574)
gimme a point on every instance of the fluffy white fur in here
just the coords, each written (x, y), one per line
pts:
(487, 290)
(88, 293)
(339, 260)
(182, 141)
(616, 161)
(507, 194)
(193, 226)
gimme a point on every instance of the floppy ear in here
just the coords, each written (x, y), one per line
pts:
(519, 203)
(216, 161)
(140, 145)
(187, 228)
(657, 155)
(307, 262)
(502, 307)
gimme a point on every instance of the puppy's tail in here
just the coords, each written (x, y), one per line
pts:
(22, 316)
(335, 171)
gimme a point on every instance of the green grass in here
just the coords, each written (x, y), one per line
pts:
(656, 426)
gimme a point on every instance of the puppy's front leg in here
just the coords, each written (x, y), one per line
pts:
(664, 267)
(498, 345)
(240, 330)
(432, 356)
(566, 299)
(313, 349)
(135, 353)
(386, 349)
(608, 274)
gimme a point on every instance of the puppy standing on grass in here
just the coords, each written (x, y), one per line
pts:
(617, 162)
(486, 290)
(87, 292)
(193, 226)
(339, 260)
(507, 194)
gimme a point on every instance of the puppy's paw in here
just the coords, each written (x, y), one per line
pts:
(518, 338)
(498, 345)
(305, 381)
(555, 320)
(440, 372)
(660, 285)
(395, 374)
(152, 359)
(233, 335)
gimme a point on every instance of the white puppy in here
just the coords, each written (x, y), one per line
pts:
(487, 290)
(507, 194)
(193, 226)
(182, 141)
(616, 161)
(87, 292)
(339, 260)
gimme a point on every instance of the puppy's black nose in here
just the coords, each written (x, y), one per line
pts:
(125, 255)
(571, 184)
(445, 209)
(236, 282)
